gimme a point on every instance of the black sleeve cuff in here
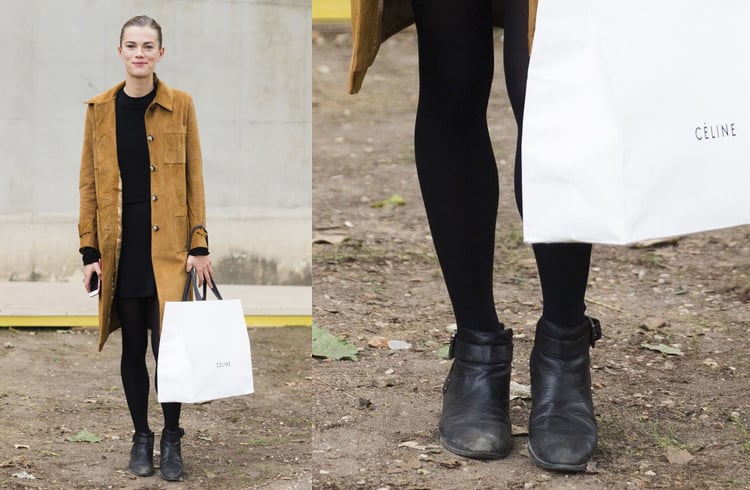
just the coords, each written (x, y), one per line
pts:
(90, 255)
(198, 251)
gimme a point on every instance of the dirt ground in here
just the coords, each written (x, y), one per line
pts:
(54, 384)
(665, 421)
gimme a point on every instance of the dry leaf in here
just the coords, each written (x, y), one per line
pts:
(651, 324)
(432, 448)
(24, 476)
(658, 242)
(678, 456)
(664, 349)
(330, 239)
(378, 342)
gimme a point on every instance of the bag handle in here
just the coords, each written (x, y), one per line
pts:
(196, 293)
(191, 275)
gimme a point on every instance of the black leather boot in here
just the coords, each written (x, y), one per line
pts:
(170, 466)
(142, 454)
(475, 422)
(562, 426)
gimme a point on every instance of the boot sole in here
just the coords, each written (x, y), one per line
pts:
(567, 468)
(474, 454)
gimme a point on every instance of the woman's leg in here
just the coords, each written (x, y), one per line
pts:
(171, 411)
(458, 178)
(562, 426)
(455, 161)
(135, 382)
(170, 460)
(563, 267)
(134, 317)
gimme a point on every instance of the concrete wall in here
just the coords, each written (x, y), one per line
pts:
(247, 65)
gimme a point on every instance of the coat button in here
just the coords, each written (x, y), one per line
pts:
(155, 227)
(154, 197)
(150, 138)
(152, 168)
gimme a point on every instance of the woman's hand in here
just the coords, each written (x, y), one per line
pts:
(88, 271)
(202, 266)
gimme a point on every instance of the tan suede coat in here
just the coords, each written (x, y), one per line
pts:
(177, 197)
(374, 21)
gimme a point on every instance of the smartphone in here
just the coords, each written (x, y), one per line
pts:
(94, 284)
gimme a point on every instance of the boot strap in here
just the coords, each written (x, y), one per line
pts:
(173, 436)
(567, 348)
(143, 437)
(482, 354)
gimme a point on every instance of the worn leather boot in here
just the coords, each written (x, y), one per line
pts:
(562, 426)
(475, 422)
(170, 466)
(142, 454)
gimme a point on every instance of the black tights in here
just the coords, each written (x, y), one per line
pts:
(456, 165)
(138, 315)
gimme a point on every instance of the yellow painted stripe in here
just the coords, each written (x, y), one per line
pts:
(92, 321)
(331, 10)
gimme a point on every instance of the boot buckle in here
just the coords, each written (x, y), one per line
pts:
(596, 331)
(451, 347)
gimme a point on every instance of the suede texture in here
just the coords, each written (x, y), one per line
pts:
(178, 200)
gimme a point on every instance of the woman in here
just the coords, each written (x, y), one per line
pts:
(141, 189)
(459, 182)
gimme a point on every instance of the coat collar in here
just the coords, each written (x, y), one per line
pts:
(164, 95)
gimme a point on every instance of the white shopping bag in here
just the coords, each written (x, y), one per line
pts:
(637, 120)
(204, 352)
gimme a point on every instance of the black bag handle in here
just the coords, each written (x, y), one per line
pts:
(191, 280)
(191, 275)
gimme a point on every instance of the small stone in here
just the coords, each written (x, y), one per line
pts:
(398, 345)
(711, 363)
(650, 473)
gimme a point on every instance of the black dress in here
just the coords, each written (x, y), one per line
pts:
(135, 272)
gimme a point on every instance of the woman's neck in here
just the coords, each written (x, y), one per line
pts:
(138, 87)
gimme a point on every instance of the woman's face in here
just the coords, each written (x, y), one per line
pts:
(140, 51)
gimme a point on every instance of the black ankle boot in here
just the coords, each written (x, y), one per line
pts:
(475, 422)
(142, 454)
(562, 426)
(170, 466)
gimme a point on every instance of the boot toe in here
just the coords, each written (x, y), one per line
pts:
(477, 443)
(141, 470)
(561, 452)
(171, 473)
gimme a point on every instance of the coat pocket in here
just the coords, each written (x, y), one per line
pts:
(174, 146)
